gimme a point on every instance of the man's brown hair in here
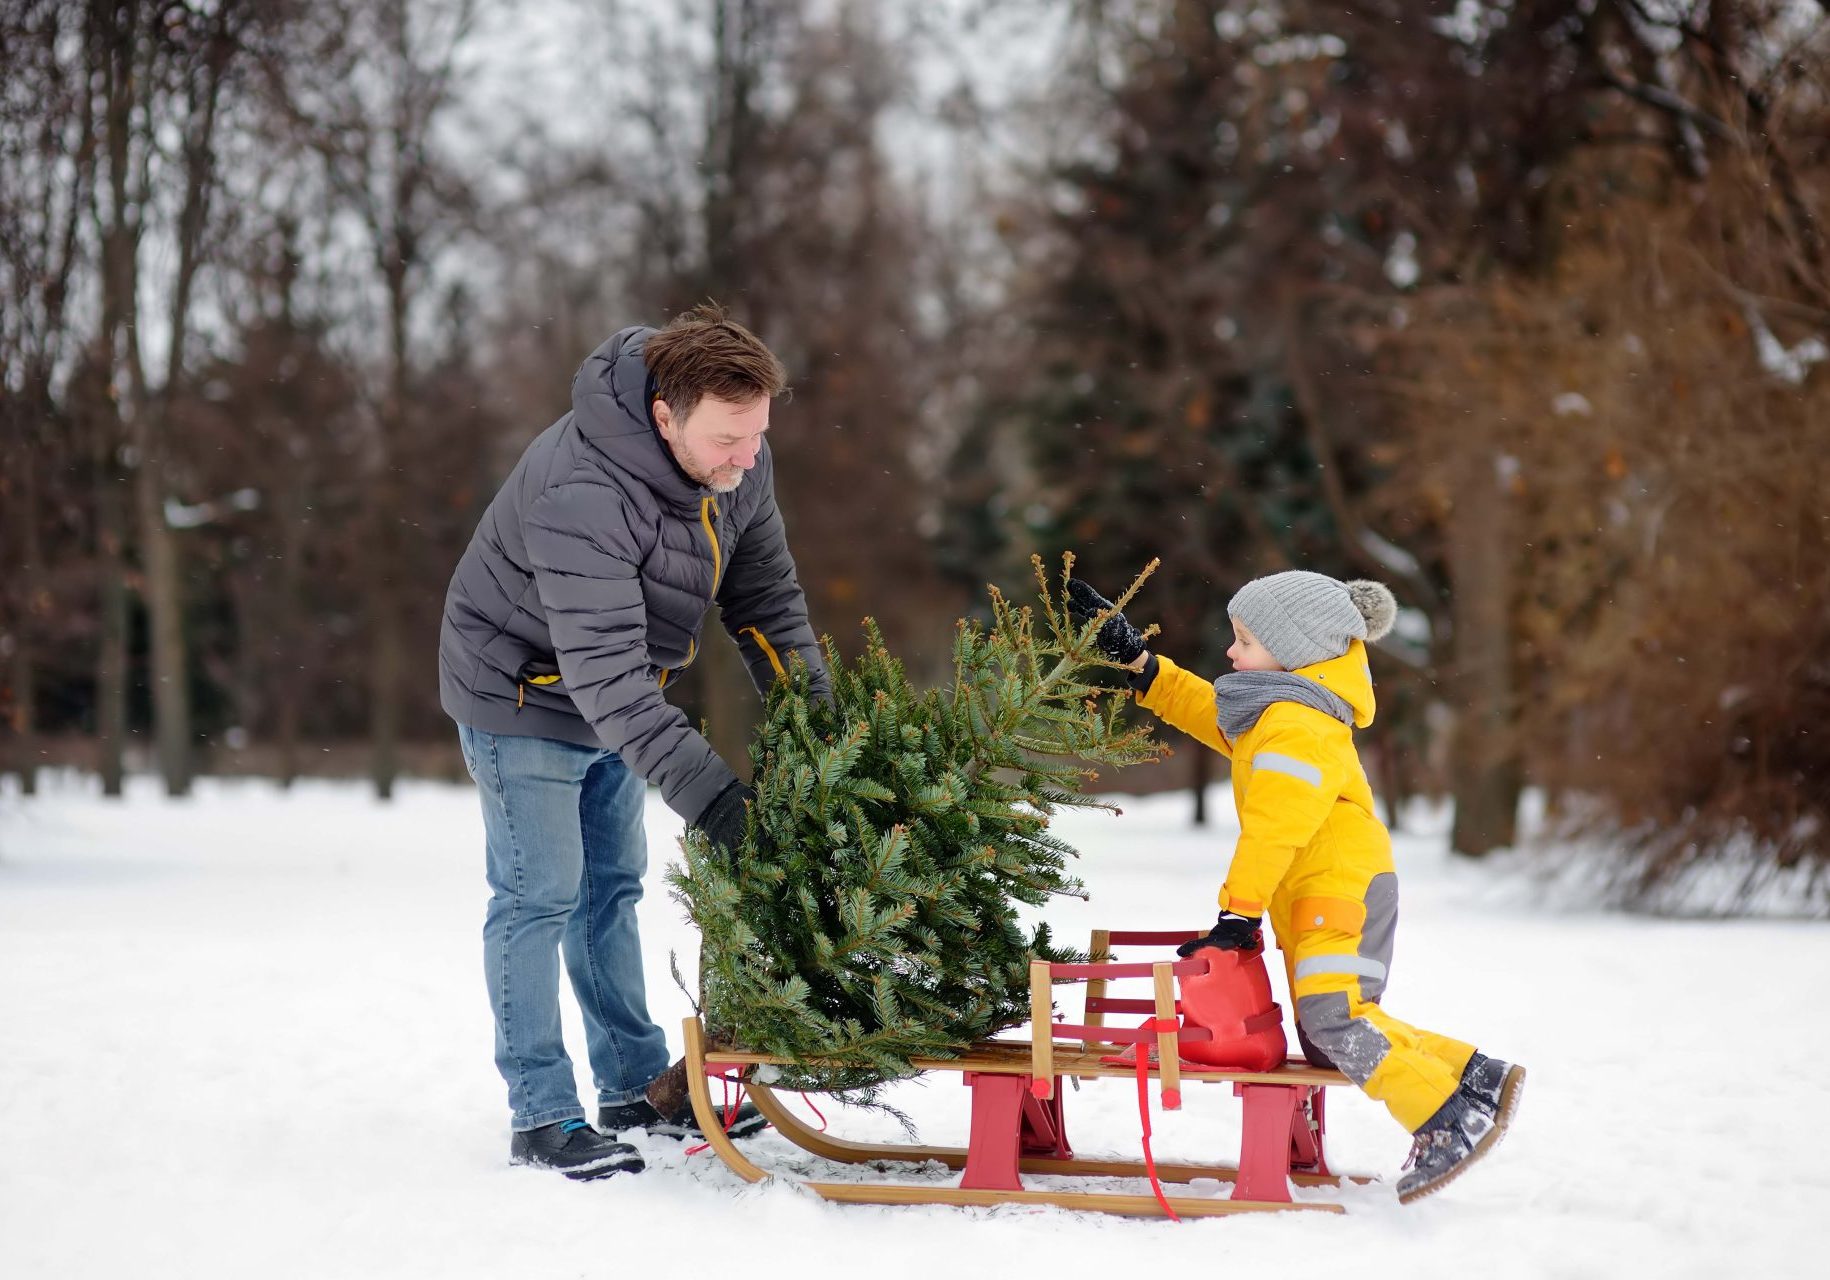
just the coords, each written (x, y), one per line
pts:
(703, 352)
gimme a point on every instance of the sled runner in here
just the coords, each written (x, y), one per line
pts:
(1017, 1111)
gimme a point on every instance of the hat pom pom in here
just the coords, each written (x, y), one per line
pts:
(1376, 604)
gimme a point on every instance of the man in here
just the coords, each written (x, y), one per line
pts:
(579, 598)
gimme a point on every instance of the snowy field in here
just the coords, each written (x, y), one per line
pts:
(246, 1035)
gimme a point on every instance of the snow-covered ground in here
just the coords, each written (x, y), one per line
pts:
(246, 1034)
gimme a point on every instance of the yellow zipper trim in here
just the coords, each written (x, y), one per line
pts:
(692, 647)
(767, 648)
(521, 688)
(708, 509)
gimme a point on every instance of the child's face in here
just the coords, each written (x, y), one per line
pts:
(1247, 654)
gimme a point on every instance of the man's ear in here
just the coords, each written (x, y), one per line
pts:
(663, 414)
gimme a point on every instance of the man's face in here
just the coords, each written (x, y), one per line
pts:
(717, 442)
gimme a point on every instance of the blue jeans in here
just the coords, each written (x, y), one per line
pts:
(566, 857)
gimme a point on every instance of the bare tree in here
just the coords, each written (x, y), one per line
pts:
(368, 98)
(157, 67)
(113, 385)
(47, 157)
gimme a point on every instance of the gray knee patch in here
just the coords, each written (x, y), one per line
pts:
(1381, 924)
(1354, 1045)
(1311, 1050)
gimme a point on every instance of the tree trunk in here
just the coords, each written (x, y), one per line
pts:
(117, 43)
(1486, 776)
(384, 687)
(162, 581)
(161, 590)
(728, 137)
(386, 661)
(283, 601)
(1200, 773)
(1388, 778)
(22, 716)
(111, 646)
(21, 678)
(249, 699)
(288, 627)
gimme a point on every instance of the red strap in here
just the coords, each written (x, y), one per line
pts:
(1143, 1110)
(731, 1104)
(1272, 1017)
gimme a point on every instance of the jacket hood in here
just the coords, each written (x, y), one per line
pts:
(610, 408)
(1349, 678)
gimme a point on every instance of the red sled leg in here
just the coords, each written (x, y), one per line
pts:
(1308, 1133)
(1264, 1147)
(1043, 1131)
(992, 1147)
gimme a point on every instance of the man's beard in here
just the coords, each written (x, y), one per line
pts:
(717, 479)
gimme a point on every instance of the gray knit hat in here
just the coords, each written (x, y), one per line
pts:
(1304, 618)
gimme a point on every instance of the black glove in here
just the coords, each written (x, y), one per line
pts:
(1116, 638)
(1230, 933)
(722, 820)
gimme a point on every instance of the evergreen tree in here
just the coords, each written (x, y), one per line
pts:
(871, 915)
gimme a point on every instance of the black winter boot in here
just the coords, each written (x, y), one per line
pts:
(642, 1114)
(666, 1111)
(1495, 1087)
(575, 1149)
(1444, 1146)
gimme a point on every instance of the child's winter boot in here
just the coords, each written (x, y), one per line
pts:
(1460, 1133)
(1494, 1086)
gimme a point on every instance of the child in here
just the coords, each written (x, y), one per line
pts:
(1311, 851)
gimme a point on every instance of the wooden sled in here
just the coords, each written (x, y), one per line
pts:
(1017, 1119)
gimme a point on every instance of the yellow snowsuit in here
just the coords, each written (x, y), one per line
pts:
(1313, 857)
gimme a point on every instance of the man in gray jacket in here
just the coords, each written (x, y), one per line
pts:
(579, 599)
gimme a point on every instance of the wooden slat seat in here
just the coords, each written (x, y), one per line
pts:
(1013, 1057)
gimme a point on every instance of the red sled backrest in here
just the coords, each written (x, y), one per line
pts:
(1233, 1000)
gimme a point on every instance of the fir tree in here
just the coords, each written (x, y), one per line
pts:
(871, 914)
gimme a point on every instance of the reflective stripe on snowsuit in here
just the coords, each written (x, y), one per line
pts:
(1317, 863)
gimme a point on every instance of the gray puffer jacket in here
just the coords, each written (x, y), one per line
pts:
(586, 584)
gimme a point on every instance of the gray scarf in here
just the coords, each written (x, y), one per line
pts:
(1242, 697)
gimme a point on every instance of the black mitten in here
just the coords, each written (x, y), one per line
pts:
(1230, 933)
(722, 820)
(1116, 638)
